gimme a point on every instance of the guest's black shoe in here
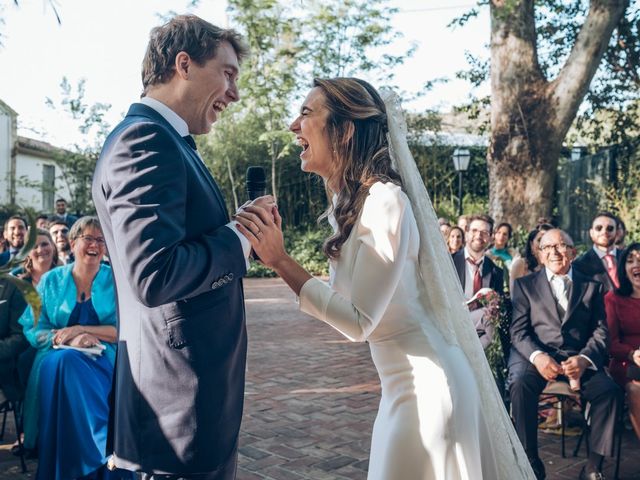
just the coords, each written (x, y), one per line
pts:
(590, 475)
(538, 468)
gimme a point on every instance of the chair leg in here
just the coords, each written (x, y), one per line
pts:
(17, 414)
(562, 427)
(4, 423)
(619, 433)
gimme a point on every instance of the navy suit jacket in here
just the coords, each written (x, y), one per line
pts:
(5, 257)
(179, 378)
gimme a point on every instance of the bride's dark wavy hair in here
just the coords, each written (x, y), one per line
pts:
(357, 130)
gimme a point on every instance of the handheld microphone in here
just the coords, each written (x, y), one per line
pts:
(256, 182)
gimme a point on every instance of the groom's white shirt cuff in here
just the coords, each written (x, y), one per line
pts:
(182, 128)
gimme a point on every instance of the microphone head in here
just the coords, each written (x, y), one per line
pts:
(256, 175)
(256, 182)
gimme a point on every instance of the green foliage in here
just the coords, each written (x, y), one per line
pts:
(346, 37)
(78, 165)
(623, 197)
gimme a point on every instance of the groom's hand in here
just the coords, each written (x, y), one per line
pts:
(267, 202)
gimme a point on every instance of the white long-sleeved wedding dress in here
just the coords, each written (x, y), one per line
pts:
(430, 423)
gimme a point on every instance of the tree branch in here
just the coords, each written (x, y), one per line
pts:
(567, 91)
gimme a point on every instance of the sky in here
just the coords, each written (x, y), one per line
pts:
(103, 42)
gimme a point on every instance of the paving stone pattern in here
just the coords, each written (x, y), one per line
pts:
(311, 400)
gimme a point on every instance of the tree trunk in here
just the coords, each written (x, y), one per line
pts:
(531, 116)
(274, 158)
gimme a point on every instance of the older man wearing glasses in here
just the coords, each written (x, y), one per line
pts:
(601, 261)
(559, 331)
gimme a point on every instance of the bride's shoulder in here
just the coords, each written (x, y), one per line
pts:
(386, 193)
(385, 200)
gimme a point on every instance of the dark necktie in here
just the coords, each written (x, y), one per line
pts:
(192, 143)
(477, 276)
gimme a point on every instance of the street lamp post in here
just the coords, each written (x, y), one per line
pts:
(461, 157)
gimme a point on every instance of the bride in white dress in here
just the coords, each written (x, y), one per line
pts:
(440, 415)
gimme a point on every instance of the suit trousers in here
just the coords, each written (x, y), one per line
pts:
(597, 387)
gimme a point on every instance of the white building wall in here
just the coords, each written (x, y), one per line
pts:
(6, 142)
(29, 177)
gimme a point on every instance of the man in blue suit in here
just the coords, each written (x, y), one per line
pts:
(177, 261)
(14, 232)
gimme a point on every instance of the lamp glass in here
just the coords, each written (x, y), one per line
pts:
(461, 157)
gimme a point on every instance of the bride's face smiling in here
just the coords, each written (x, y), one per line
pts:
(311, 133)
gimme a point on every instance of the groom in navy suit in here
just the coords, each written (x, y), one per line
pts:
(178, 263)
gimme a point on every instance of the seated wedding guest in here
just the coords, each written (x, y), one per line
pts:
(621, 233)
(559, 331)
(12, 340)
(455, 240)
(60, 234)
(40, 259)
(623, 316)
(475, 271)
(529, 261)
(66, 408)
(600, 262)
(15, 230)
(42, 221)
(445, 226)
(500, 249)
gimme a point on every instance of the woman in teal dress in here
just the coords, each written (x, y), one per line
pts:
(66, 404)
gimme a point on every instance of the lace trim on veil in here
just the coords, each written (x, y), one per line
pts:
(445, 300)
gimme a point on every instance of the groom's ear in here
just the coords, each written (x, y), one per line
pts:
(182, 64)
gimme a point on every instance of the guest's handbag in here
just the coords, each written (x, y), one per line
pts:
(633, 372)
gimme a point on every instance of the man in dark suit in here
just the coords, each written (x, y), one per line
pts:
(601, 261)
(177, 261)
(477, 271)
(12, 340)
(15, 230)
(62, 214)
(559, 330)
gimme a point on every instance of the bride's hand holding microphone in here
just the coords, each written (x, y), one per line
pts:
(263, 228)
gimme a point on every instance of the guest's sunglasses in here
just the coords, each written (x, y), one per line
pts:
(610, 228)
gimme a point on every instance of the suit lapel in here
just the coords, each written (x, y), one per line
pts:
(576, 292)
(545, 295)
(486, 272)
(459, 262)
(206, 174)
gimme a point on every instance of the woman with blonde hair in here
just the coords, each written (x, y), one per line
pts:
(42, 258)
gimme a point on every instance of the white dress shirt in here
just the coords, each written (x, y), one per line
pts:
(182, 128)
(470, 271)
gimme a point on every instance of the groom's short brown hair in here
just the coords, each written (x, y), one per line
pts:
(184, 33)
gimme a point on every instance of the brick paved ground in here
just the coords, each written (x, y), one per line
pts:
(311, 401)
